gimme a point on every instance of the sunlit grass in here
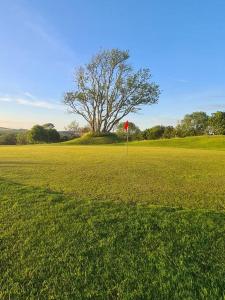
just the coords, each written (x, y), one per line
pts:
(161, 176)
(91, 222)
(216, 142)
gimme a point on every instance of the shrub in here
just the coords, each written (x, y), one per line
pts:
(134, 133)
(169, 132)
(43, 134)
(217, 123)
(154, 133)
(52, 136)
(182, 130)
(8, 139)
(22, 138)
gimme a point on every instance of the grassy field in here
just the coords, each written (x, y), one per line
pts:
(90, 222)
(90, 139)
(193, 142)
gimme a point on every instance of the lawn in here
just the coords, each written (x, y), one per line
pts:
(90, 222)
(216, 142)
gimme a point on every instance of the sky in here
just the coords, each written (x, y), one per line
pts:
(42, 42)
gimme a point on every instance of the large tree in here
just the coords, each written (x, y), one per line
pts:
(217, 122)
(193, 124)
(43, 134)
(108, 89)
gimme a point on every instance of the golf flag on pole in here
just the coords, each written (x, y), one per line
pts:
(126, 126)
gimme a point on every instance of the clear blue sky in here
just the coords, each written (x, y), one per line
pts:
(42, 41)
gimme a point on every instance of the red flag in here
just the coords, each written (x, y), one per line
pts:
(126, 126)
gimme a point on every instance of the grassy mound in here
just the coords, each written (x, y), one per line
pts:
(92, 139)
(193, 142)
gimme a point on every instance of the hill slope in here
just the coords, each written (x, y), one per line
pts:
(90, 139)
(216, 142)
(4, 130)
(194, 142)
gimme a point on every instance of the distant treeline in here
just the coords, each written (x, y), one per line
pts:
(197, 123)
(37, 135)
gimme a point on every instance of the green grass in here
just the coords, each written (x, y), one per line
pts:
(90, 222)
(90, 139)
(194, 142)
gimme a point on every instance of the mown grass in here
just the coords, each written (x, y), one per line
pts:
(93, 223)
(91, 139)
(194, 142)
(210, 142)
(160, 176)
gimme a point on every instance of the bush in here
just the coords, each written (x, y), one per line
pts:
(154, 133)
(22, 138)
(52, 136)
(101, 134)
(169, 132)
(217, 123)
(182, 131)
(43, 134)
(8, 139)
(134, 133)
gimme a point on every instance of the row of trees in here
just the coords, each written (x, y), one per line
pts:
(38, 134)
(197, 123)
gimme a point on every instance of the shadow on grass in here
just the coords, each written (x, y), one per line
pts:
(18, 163)
(54, 246)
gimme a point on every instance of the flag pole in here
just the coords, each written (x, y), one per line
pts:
(126, 129)
(127, 141)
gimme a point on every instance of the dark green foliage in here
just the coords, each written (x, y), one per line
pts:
(53, 136)
(65, 138)
(193, 124)
(196, 122)
(92, 138)
(44, 134)
(182, 130)
(8, 139)
(37, 134)
(169, 132)
(134, 133)
(22, 138)
(54, 246)
(217, 123)
(154, 133)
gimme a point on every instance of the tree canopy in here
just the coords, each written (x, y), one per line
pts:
(108, 89)
(155, 132)
(134, 131)
(44, 134)
(194, 124)
(217, 122)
